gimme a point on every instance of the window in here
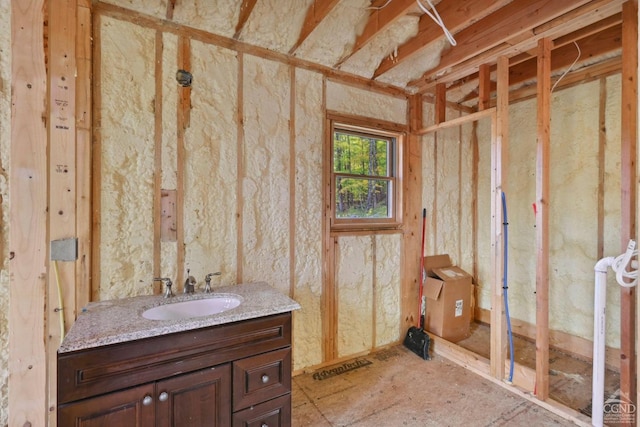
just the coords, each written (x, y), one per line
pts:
(365, 190)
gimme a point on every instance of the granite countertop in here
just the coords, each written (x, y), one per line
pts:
(116, 321)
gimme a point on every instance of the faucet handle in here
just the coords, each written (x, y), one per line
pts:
(207, 281)
(167, 283)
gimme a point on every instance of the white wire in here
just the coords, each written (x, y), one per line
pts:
(568, 69)
(436, 18)
(381, 7)
(622, 262)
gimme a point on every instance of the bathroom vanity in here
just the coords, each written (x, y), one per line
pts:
(228, 369)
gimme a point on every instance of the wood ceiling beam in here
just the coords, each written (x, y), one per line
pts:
(455, 14)
(380, 19)
(584, 75)
(605, 42)
(499, 29)
(318, 10)
(579, 17)
(245, 11)
(591, 46)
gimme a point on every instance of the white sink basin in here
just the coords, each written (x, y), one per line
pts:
(193, 308)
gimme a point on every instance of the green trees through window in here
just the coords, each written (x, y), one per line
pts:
(363, 174)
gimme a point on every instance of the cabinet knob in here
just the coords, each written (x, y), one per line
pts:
(163, 396)
(265, 379)
(147, 400)
(264, 425)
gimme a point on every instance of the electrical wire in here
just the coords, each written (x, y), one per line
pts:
(568, 69)
(438, 20)
(505, 225)
(60, 308)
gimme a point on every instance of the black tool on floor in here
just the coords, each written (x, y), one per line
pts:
(417, 339)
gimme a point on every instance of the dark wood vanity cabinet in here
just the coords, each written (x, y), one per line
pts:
(235, 374)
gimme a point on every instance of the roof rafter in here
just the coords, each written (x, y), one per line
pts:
(543, 19)
(456, 15)
(318, 10)
(380, 19)
(245, 11)
(592, 45)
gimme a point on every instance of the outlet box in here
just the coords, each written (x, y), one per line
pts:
(64, 249)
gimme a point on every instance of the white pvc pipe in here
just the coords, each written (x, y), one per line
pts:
(626, 278)
(599, 313)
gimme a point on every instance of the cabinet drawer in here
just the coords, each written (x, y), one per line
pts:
(260, 378)
(274, 413)
(100, 370)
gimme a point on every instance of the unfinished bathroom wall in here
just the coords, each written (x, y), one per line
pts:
(447, 195)
(5, 140)
(573, 215)
(210, 165)
(127, 158)
(307, 277)
(351, 100)
(265, 184)
(169, 155)
(252, 184)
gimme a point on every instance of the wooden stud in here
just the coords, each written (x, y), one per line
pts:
(96, 159)
(441, 103)
(184, 114)
(484, 89)
(28, 215)
(292, 181)
(411, 250)
(61, 292)
(602, 142)
(499, 162)
(542, 218)
(83, 155)
(328, 305)
(157, 166)
(629, 119)
(240, 168)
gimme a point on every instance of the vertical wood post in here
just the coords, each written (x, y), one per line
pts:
(542, 219)
(499, 144)
(484, 88)
(28, 213)
(83, 153)
(412, 218)
(184, 114)
(628, 150)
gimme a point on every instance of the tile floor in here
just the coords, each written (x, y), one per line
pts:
(395, 387)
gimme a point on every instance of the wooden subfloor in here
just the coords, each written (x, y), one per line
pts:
(395, 387)
(569, 377)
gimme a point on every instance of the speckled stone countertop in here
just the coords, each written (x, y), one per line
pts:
(116, 321)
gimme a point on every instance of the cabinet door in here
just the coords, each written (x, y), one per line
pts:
(198, 399)
(128, 408)
(274, 413)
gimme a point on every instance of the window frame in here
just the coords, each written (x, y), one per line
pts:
(376, 129)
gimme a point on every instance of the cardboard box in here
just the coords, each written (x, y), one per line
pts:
(448, 294)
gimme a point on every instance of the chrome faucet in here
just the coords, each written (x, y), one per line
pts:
(189, 284)
(167, 284)
(207, 281)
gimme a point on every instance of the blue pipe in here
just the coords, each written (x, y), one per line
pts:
(505, 292)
